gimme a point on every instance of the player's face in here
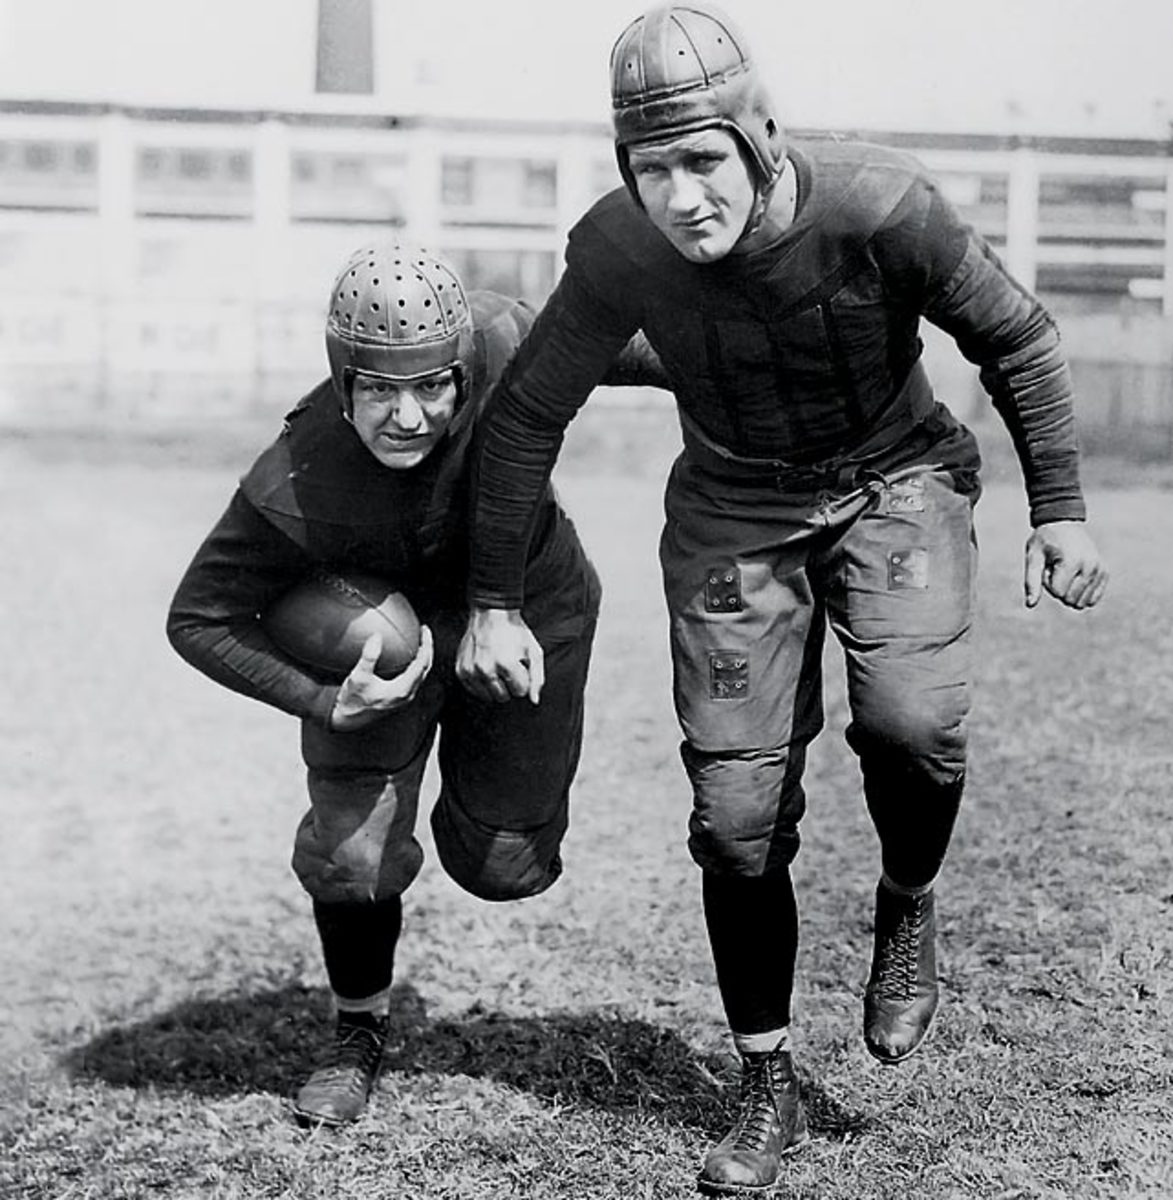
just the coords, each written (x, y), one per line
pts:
(401, 422)
(697, 189)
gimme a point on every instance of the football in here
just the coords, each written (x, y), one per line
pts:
(324, 621)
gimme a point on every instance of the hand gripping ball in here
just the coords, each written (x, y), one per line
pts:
(324, 622)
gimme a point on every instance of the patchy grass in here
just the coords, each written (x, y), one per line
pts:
(163, 995)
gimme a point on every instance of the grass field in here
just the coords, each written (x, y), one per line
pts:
(162, 994)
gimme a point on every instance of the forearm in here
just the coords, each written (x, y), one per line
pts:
(1033, 395)
(1009, 335)
(241, 658)
(214, 619)
(564, 357)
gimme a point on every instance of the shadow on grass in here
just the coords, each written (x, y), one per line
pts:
(270, 1041)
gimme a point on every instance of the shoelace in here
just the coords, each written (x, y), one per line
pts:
(896, 975)
(759, 1107)
(356, 1050)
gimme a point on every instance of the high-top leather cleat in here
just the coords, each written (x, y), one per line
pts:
(337, 1092)
(770, 1123)
(901, 994)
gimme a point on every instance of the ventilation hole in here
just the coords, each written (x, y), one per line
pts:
(402, 324)
(679, 53)
(423, 329)
(375, 282)
(359, 325)
(382, 328)
(402, 302)
(354, 294)
(427, 304)
(439, 322)
(354, 273)
(771, 128)
(398, 278)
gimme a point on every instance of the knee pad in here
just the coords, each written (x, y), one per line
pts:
(496, 864)
(919, 734)
(356, 843)
(746, 809)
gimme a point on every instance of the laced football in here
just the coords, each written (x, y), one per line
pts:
(324, 622)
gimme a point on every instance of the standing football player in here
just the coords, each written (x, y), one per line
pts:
(820, 483)
(370, 474)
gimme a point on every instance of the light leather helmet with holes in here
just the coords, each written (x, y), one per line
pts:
(397, 312)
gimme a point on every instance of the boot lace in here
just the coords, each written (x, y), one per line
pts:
(899, 951)
(760, 1084)
(354, 1057)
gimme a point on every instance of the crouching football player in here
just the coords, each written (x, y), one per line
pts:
(369, 474)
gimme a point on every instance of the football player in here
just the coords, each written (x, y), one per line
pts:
(821, 482)
(370, 473)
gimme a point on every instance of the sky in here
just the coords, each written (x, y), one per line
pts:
(1095, 67)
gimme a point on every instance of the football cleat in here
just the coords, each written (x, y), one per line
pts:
(770, 1123)
(901, 995)
(336, 1093)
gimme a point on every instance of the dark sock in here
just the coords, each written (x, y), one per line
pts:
(753, 932)
(358, 944)
(914, 818)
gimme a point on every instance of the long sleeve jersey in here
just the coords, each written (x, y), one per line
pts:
(792, 352)
(316, 498)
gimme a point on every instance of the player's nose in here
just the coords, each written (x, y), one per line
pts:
(408, 412)
(684, 192)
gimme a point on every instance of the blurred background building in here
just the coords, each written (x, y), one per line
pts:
(165, 254)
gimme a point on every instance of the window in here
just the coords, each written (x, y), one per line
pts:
(539, 184)
(40, 174)
(327, 185)
(499, 190)
(194, 181)
(456, 181)
(527, 274)
(40, 156)
(195, 164)
(85, 159)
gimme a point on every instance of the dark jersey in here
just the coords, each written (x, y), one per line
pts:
(317, 498)
(794, 352)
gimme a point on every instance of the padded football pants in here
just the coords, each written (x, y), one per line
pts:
(505, 775)
(752, 575)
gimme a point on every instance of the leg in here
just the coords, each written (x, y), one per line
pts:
(901, 603)
(746, 644)
(506, 769)
(355, 854)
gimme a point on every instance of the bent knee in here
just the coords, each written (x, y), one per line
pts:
(746, 809)
(919, 728)
(352, 873)
(496, 864)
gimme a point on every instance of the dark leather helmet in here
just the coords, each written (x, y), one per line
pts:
(679, 68)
